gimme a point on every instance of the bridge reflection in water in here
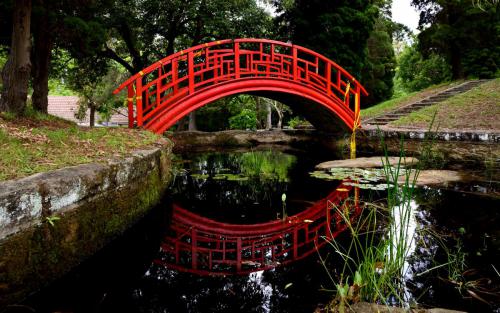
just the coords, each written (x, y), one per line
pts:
(204, 246)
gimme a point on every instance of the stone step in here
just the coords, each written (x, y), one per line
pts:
(386, 119)
(377, 123)
(438, 98)
(432, 100)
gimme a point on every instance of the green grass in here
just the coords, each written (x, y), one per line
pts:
(38, 143)
(386, 106)
(478, 108)
(394, 103)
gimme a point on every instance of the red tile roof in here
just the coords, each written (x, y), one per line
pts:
(66, 106)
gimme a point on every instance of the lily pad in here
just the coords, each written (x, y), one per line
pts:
(230, 177)
(367, 186)
(199, 176)
(361, 175)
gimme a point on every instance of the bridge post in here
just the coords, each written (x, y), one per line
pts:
(191, 72)
(328, 78)
(194, 249)
(294, 61)
(238, 254)
(237, 60)
(130, 104)
(357, 105)
(174, 75)
(138, 99)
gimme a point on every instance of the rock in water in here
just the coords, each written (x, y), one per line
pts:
(370, 162)
(437, 177)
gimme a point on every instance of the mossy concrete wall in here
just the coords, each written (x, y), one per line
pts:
(50, 222)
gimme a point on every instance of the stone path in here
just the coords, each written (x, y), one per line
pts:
(434, 99)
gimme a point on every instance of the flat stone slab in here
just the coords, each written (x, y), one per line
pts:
(371, 162)
(437, 177)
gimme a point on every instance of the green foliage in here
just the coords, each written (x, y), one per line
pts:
(337, 29)
(58, 88)
(240, 109)
(465, 34)
(97, 92)
(246, 119)
(378, 75)
(296, 121)
(142, 32)
(416, 72)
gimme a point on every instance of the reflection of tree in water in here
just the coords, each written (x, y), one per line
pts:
(231, 186)
(267, 165)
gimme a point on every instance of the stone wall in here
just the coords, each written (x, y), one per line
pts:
(50, 222)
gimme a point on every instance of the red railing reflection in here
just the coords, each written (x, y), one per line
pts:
(204, 246)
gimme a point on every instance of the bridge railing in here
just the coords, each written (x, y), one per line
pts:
(158, 87)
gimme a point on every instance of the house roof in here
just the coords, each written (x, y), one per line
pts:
(66, 106)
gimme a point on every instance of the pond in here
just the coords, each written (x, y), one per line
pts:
(247, 231)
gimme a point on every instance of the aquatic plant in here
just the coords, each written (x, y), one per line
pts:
(376, 257)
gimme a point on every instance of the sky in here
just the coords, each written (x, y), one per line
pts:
(404, 13)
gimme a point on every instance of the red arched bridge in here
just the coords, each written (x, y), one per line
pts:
(311, 84)
(203, 246)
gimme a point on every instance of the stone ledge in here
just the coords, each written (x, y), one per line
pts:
(24, 202)
(445, 135)
(51, 222)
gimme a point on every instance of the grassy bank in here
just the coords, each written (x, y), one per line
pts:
(394, 103)
(38, 143)
(477, 109)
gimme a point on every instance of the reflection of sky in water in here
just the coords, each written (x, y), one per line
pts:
(266, 288)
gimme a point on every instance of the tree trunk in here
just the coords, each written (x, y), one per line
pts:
(192, 122)
(92, 116)
(181, 124)
(456, 62)
(269, 123)
(16, 72)
(280, 114)
(41, 60)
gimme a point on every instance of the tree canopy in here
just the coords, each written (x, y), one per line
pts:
(465, 33)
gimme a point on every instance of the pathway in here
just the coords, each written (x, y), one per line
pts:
(388, 117)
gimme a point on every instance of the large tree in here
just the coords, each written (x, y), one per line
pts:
(337, 29)
(378, 73)
(75, 26)
(43, 42)
(142, 32)
(16, 72)
(466, 34)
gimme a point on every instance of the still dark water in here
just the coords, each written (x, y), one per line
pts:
(218, 196)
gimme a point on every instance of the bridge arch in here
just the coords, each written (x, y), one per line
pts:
(313, 85)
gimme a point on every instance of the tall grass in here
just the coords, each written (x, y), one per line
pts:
(375, 259)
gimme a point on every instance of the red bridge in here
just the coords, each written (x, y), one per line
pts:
(204, 246)
(311, 84)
